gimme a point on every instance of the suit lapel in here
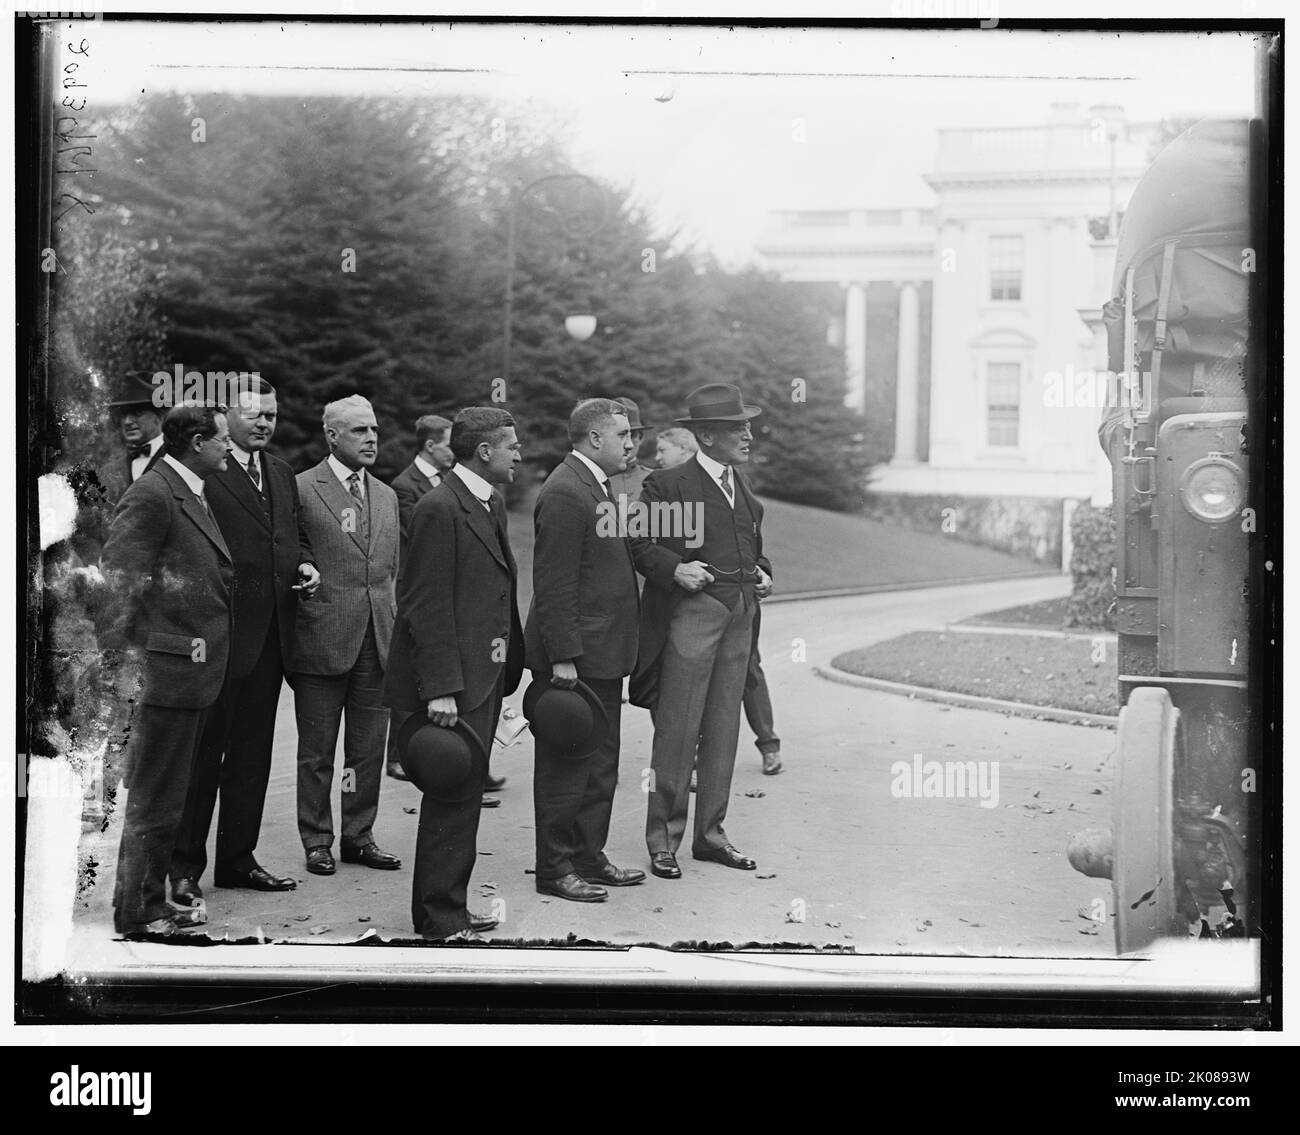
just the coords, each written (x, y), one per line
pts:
(480, 522)
(196, 512)
(587, 477)
(237, 481)
(337, 499)
(379, 517)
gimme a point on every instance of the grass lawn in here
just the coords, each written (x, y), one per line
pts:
(1057, 672)
(1049, 614)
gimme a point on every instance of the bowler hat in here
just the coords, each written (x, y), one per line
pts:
(136, 387)
(448, 763)
(572, 722)
(717, 402)
(633, 412)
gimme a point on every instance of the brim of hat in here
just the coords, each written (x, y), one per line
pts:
(750, 412)
(419, 719)
(539, 685)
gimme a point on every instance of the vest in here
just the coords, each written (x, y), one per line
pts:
(730, 545)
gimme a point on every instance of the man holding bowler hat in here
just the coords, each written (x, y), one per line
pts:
(457, 651)
(582, 625)
(697, 620)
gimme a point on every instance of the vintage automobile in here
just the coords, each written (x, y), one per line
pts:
(1183, 852)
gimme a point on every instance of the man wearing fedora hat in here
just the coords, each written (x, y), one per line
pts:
(457, 650)
(582, 625)
(697, 619)
(138, 415)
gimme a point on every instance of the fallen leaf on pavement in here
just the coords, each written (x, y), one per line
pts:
(756, 793)
(318, 930)
(409, 811)
(771, 876)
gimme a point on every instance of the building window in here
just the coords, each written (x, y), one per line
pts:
(1006, 266)
(820, 219)
(1003, 388)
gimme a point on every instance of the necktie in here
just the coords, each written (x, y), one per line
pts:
(354, 486)
(254, 472)
(203, 500)
(726, 483)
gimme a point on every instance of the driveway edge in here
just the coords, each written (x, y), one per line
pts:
(968, 701)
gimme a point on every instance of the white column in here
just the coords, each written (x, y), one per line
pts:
(907, 398)
(855, 347)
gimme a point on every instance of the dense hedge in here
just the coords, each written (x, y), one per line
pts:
(1092, 568)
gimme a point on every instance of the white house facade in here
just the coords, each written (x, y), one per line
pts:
(1015, 249)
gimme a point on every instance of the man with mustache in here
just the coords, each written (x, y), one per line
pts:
(255, 502)
(341, 639)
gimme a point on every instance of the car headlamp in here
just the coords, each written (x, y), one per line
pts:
(1213, 489)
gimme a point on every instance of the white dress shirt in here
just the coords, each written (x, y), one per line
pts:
(141, 463)
(602, 478)
(714, 469)
(191, 478)
(244, 456)
(342, 472)
(480, 488)
(430, 471)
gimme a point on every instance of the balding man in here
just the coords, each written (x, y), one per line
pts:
(342, 637)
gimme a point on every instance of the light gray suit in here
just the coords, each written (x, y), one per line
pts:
(341, 645)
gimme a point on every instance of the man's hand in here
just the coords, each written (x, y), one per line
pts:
(692, 576)
(763, 588)
(564, 675)
(442, 711)
(308, 580)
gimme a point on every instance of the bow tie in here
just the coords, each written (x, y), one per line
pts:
(135, 451)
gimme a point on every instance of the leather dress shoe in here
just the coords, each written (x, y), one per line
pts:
(771, 762)
(186, 892)
(481, 923)
(458, 936)
(176, 923)
(256, 879)
(494, 783)
(371, 856)
(573, 888)
(489, 802)
(664, 864)
(396, 772)
(320, 861)
(727, 855)
(612, 876)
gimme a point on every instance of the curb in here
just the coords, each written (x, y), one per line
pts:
(908, 585)
(968, 701)
(1028, 630)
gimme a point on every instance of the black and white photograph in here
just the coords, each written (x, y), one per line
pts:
(529, 519)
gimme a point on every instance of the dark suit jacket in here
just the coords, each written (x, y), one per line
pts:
(357, 581)
(457, 608)
(585, 602)
(168, 575)
(267, 552)
(410, 485)
(658, 558)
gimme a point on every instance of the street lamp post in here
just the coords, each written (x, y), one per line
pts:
(581, 326)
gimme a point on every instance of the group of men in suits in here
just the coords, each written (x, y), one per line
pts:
(379, 603)
(226, 573)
